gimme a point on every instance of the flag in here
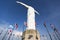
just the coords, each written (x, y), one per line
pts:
(10, 30)
(25, 23)
(52, 26)
(16, 26)
(44, 24)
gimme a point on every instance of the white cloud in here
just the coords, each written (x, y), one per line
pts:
(17, 32)
(4, 24)
(10, 26)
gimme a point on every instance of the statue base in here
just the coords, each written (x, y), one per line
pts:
(31, 35)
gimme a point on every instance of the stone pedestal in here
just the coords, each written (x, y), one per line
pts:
(31, 35)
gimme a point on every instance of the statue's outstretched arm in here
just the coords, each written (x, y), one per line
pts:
(36, 12)
(23, 4)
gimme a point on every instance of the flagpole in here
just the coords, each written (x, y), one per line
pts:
(1, 32)
(10, 35)
(48, 31)
(54, 29)
(57, 35)
(11, 30)
(54, 36)
(4, 35)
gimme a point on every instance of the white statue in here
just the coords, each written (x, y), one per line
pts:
(30, 16)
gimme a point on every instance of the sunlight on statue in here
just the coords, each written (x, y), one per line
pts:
(30, 16)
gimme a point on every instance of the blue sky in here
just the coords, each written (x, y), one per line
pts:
(11, 13)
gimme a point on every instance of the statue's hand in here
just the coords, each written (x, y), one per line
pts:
(17, 1)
